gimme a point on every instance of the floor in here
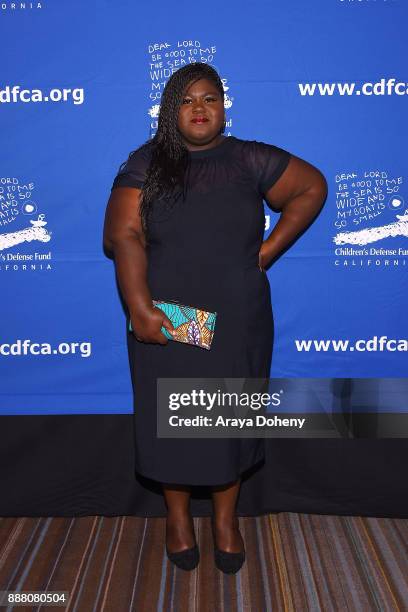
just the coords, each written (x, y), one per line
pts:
(294, 562)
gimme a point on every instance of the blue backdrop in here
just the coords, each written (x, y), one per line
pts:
(80, 88)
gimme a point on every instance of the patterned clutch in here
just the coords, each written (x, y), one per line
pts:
(191, 325)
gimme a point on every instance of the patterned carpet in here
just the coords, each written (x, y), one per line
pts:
(296, 562)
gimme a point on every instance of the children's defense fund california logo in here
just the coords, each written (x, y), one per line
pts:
(23, 229)
(371, 220)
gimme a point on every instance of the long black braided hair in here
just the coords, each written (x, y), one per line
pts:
(169, 160)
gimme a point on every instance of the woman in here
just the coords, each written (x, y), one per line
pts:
(185, 222)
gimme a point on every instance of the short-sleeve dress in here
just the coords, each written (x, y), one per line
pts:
(203, 251)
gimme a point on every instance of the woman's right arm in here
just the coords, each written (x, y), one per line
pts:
(123, 236)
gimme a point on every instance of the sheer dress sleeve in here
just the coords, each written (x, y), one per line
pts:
(132, 172)
(267, 163)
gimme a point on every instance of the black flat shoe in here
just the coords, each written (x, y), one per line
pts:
(187, 559)
(227, 562)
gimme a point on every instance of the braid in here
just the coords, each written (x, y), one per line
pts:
(170, 159)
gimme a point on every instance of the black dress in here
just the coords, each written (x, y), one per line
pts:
(203, 251)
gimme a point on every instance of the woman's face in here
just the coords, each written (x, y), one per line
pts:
(201, 115)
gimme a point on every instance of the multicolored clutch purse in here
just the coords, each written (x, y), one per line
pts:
(191, 325)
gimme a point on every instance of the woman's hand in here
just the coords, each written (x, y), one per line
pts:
(147, 323)
(262, 258)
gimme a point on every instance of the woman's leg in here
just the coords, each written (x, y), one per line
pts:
(226, 525)
(179, 522)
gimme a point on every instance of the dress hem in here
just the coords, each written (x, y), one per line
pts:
(201, 484)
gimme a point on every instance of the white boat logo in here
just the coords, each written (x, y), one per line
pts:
(36, 231)
(373, 234)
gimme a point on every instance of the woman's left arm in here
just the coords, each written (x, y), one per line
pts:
(300, 194)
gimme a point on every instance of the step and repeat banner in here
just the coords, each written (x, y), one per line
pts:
(80, 87)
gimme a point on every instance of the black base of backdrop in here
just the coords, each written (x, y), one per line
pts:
(83, 465)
